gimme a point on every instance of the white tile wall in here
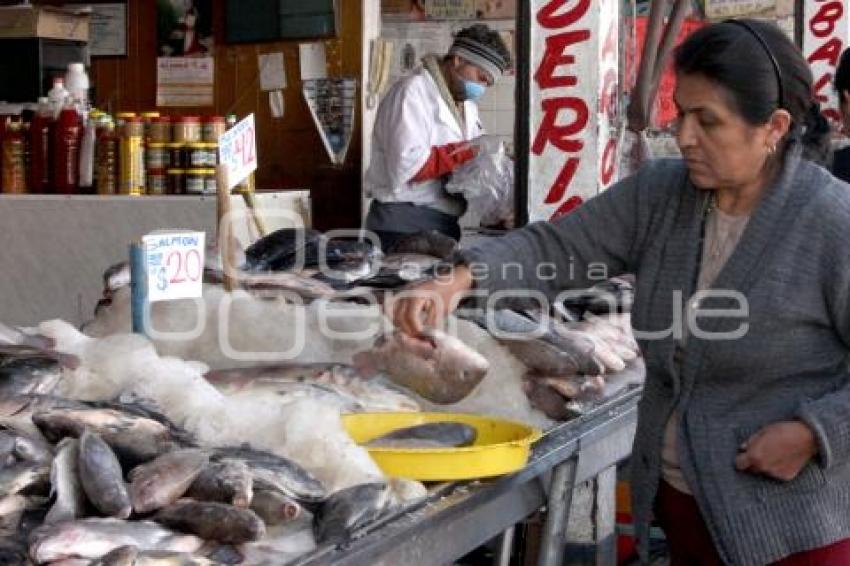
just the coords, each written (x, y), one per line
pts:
(497, 106)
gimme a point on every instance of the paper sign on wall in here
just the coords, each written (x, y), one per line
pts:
(313, 61)
(185, 81)
(272, 71)
(174, 263)
(237, 149)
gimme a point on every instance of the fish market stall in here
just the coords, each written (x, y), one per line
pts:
(455, 518)
(230, 441)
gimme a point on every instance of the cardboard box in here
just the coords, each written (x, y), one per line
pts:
(53, 23)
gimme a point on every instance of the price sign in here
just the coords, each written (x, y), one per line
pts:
(174, 263)
(237, 149)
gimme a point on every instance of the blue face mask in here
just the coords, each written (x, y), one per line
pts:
(473, 90)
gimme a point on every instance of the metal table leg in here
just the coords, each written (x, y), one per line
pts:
(557, 514)
(506, 545)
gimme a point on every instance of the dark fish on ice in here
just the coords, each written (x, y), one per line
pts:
(442, 369)
(274, 508)
(349, 509)
(431, 243)
(65, 483)
(102, 478)
(213, 521)
(94, 538)
(430, 435)
(224, 482)
(273, 472)
(279, 250)
(164, 480)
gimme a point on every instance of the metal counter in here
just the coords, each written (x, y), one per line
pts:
(458, 517)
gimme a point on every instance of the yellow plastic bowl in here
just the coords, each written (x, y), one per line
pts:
(501, 446)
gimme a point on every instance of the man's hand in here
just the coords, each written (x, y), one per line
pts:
(779, 450)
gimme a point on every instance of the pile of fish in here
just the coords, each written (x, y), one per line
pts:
(567, 362)
(83, 480)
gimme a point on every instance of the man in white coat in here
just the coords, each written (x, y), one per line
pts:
(423, 130)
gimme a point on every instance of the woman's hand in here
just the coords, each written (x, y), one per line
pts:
(779, 450)
(426, 305)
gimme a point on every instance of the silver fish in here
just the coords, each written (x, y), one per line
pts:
(443, 371)
(213, 521)
(102, 478)
(65, 483)
(430, 435)
(274, 472)
(23, 477)
(349, 509)
(274, 508)
(164, 480)
(225, 482)
(94, 538)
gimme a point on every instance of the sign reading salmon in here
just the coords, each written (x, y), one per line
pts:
(825, 33)
(573, 92)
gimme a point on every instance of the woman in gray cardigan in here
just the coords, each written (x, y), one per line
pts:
(742, 309)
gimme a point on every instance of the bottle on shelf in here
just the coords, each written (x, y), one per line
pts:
(14, 164)
(57, 96)
(87, 146)
(106, 157)
(39, 135)
(77, 83)
(66, 151)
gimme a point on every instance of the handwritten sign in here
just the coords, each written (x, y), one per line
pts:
(574, 90)
(174, 263)
(826, 27)
(237, 149)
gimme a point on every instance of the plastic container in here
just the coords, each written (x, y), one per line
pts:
(212, 128)
(66, 151)
(159, 130)
(77, 81)
(157, 182)
(39, 142)
(106, 157)
(87, 147)
(195, 181)
(195, 155)
(14, 178)
(501, 446)
(187, 129)
(210, 183)
(176, 181)
(131, 158)
(157, 156)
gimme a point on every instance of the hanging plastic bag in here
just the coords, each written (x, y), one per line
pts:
(487, 184)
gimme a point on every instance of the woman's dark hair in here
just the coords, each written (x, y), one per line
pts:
(761, 70)
(842, 73)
